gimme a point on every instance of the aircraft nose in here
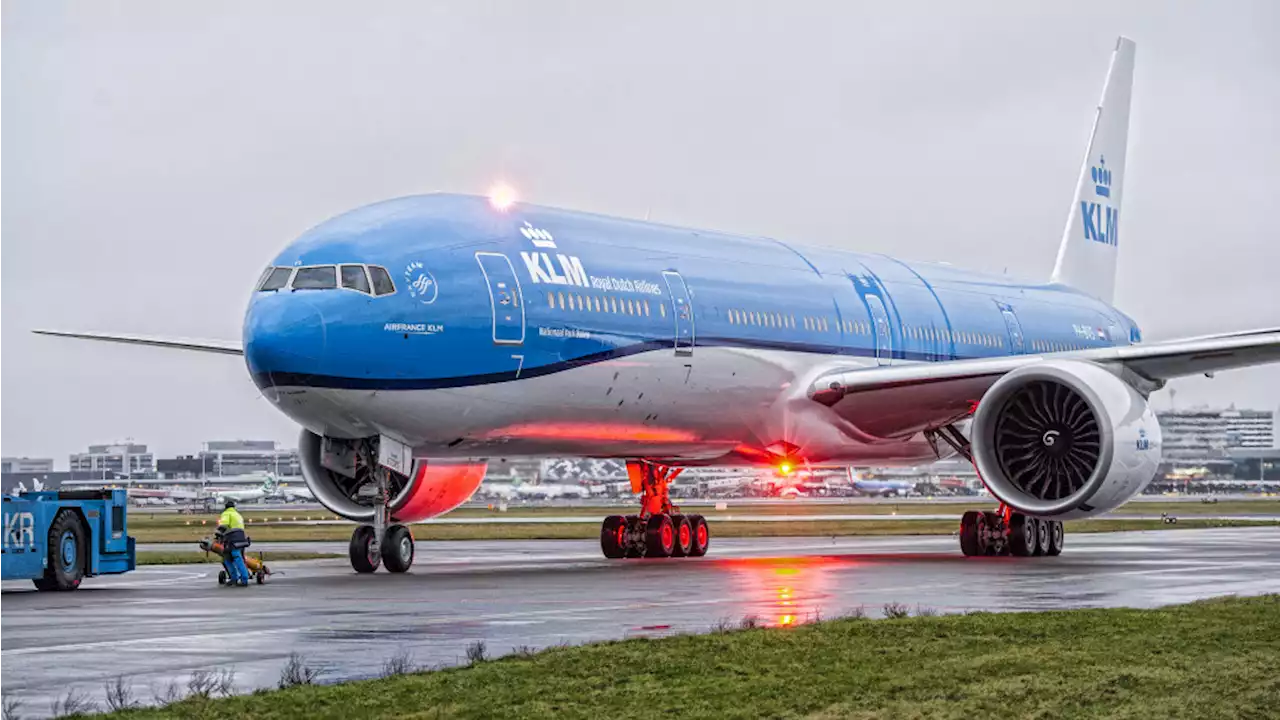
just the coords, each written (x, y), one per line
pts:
(284, 337)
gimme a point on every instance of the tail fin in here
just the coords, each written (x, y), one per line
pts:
(1087, 256)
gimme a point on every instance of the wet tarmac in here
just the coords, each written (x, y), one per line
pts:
(159, 624)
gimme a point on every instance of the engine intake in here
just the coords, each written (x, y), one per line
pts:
(1065, 439)
(435, 487)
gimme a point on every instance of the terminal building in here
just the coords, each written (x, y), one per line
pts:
(26, 465)
(1205, 434)
(225, 458)
(119, 460)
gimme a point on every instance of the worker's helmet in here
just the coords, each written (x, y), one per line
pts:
(230, 503)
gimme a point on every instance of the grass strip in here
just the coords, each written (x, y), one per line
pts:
(187, 557)
(1212, 659)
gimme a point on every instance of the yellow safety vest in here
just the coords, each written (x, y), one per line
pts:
(231, 519)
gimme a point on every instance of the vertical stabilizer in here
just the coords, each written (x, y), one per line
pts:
(1087, 256)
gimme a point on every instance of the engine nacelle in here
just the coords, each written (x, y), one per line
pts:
(435, 488)
(1064, 439)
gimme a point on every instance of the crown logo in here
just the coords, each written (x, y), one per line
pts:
(1101, 178)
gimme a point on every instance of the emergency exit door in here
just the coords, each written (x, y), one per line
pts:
(682, 309)
(884, 334)
(504, 298)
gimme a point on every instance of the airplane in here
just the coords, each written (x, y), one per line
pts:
(878, 488)
(413, 338)
(542, 491)
(268, 489)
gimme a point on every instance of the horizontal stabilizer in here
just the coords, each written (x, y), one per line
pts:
(222, 347)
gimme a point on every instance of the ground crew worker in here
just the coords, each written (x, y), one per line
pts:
(234, 541)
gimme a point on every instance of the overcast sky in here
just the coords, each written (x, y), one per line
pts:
(156, 155)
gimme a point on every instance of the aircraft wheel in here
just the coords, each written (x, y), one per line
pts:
(1023, 532)
(659, 536)
(1042, 536)
(1057, 538)
(613, 537)
(222, 577)
(363, 558)
(700, 535)
(397, 549)
(684, 536)
(973, 533)
(260, 576)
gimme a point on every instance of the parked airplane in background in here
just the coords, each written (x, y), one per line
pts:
(540, 491)
(413, 338)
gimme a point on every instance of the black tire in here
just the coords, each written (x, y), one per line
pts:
(260, 576)
(1042, 536)
(634, 526)
(363, 559)
(397, 549)
(1057, 538)
(684, 536)
(66, 554)
(701, 535)
(222, 577)
(659, 536)
(613, 536)
(973, 534)
(1022, 535)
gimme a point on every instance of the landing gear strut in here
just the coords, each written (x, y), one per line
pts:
(1009, 533)
(381, 543)
(660, 530)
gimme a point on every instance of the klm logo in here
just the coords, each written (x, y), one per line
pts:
(1101, 221)
(1143, 442)
(540, 238)
(567, 271)
(19, 531)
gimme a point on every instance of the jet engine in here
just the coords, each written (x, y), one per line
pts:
(346, 486)
(1064, 439)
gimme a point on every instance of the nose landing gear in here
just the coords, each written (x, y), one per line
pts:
(381, 543)
(660, 530)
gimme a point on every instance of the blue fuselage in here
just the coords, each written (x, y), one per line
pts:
(485, 296)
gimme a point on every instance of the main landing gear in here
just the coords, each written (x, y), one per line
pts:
(660, 530)
(1009, 533)
(381, 543)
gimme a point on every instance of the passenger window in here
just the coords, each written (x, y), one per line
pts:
(646, 308)
(613, 305)
(315, 278)
(353, 278)
(276, 278)
(382, 284)
(662, 309)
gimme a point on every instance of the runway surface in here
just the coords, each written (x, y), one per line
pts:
(158, 624)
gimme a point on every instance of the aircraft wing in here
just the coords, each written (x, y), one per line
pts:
(894, 399)
(224, 347)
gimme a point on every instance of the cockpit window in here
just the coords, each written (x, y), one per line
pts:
(275, 279)
(353, 277)
(382, 284)
(315, 278)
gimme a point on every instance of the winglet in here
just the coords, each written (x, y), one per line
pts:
(1087, 255)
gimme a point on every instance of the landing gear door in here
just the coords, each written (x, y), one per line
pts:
(884, 335)
(504, 298)
(682, 309)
